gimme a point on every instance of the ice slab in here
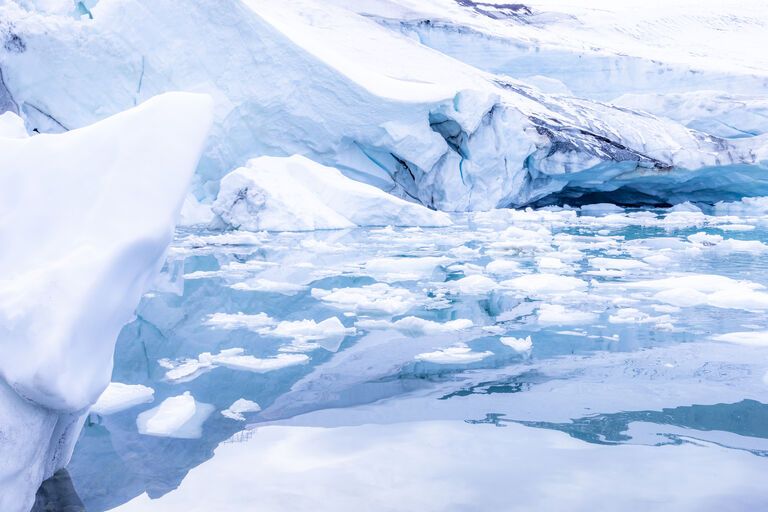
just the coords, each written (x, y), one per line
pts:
(119, 397)
(180, 416)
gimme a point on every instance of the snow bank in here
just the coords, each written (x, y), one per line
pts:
(297, 194)
(87, 217)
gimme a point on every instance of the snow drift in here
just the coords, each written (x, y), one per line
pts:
(86, 218)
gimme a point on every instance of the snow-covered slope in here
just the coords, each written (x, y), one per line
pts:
(598, 49)
(86, 218)
(393, 112)
(297, 194)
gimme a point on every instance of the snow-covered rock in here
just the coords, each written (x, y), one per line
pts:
(297, 194)
(393, 112)
(86, 219)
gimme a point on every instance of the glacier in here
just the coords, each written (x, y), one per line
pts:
(495, 255)
(68, 287)
(430, 128)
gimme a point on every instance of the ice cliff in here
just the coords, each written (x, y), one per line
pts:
(456, 105)
(85, 221)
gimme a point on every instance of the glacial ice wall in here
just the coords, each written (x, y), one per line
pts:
(86, 219)
(408, 107)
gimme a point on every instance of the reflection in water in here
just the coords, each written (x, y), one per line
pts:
(747, 418)
(514, 384)
(57, 494)
(510, 273)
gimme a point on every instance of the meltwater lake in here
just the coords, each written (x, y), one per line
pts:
(501, 363)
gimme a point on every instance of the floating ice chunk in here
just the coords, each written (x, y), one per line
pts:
(329, 333)
(265, 285)
(518, 344)
(544, 284)
(475, 285)
(119, 397)
(373, 298)
(233, 238)
(601, 208)
(453, 355)
(706, 283)
(239, 321)
(550, 263)
(658, 260)
(187, 370)
(736, 227)
(417, 326)
(465, 253)
(714, 290)
(739, 298)
(705, 239)
(556, 314)
(233, 358)
(753, 338)
(503, 267)
(516, 240)
(684, 297)
(240, 406)
(403, 269)
(180, 416)
(617, 263)
(635, 316)
(259, 365)
(297, 194)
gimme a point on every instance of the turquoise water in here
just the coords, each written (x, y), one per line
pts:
(623, 313)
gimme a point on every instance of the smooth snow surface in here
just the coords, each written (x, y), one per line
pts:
(87, 217)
